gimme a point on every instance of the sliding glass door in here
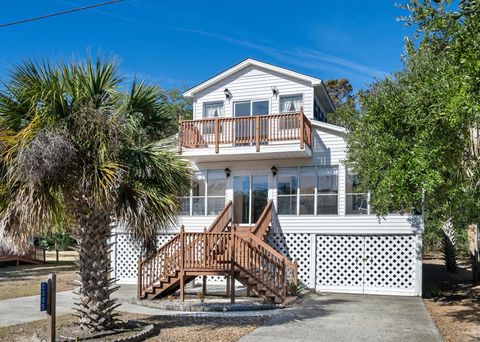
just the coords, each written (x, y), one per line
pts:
(250, 196)
(245, 129)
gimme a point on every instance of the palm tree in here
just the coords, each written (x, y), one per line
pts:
(77, 150)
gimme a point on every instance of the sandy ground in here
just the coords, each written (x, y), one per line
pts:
(24, 280)
(452, 300)
(169, 329)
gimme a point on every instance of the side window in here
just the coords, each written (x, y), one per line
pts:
(291, 103)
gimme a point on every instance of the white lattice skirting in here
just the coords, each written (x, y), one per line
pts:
(371, 264)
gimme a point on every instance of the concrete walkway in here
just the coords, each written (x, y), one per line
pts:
(330, 317)
(342, 317)
(27, 309)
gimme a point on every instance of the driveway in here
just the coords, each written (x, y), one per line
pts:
(343, 317)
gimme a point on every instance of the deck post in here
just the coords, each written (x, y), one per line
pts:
(204, 285)
(301, 129)
(217, 133)
(257, 133)
(182, 263)
(232, 269)
(139, 277)
(180, 134)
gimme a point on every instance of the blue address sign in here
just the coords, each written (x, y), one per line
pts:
(43, 295)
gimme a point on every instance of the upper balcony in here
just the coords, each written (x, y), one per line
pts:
(274, 136)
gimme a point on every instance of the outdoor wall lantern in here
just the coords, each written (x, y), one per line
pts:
(227, 172)
(274, 90)
(274, 170)
(227, 93)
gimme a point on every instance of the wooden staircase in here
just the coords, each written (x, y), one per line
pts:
(221, 250)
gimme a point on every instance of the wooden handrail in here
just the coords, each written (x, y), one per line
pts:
(264, 220)
(223, 219)
(252, 130)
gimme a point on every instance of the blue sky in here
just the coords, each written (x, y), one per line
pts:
(180, 43)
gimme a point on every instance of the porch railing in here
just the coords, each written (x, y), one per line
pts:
(243, 131)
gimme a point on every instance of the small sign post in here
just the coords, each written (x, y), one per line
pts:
(43, 295)
(48, 294)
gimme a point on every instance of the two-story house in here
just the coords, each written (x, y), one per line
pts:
(260, 134)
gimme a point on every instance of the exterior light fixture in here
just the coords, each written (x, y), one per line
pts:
(227, 93)
(274, 170)
(227, 172)
(274, 90)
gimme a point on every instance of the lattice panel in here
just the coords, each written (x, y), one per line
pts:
(126, 254)
(295, 247)
(390, 262)
(339, 262)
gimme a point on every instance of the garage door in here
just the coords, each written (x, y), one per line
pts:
(381, 264)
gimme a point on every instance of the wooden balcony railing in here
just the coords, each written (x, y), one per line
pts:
(243, 131)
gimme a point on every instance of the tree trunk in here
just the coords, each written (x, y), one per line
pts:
(95, 307)
(449, 247)
(473, 246)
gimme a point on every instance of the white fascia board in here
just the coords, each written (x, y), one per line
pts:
(324, 125)
(250, 62)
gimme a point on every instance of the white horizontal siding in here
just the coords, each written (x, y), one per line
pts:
(254, 83)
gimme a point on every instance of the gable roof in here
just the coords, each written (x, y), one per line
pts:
(245, 63)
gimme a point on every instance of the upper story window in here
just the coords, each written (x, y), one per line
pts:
(207, 196)
(309, 190)
(291, 103)
(213, 110)
(356, 202)
(318, 113)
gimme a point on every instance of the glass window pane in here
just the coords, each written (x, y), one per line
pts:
(287, 181)
(216, 181)
(242, 109)
(307, 205)
(287, 205)
(350, 182)
(356, 204)
(327, 180)
(198, 206)
(259, 195)
(199, 187)
(307, 180)
(260, 108)
(184, 206)
(327, 205)
(291, 103)
(213, 110)
(215, 205)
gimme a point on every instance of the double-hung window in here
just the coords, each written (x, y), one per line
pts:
(356, 202)
(212, 110)
(207, 196)
(289, 104)
(307, 191)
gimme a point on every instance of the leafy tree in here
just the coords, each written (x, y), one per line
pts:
(76, 150)
(341, 93)
(418, 130)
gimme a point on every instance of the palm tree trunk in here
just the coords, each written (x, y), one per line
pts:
(449, 246)
(95, 306)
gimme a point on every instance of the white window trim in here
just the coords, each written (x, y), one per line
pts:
(251, 105)
(288, 95)
(355, 193)
(298, 195)
(204, 175)
(204, 104)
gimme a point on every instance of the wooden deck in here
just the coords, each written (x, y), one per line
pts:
(221, 250)
(241, 131)
(35, 255)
